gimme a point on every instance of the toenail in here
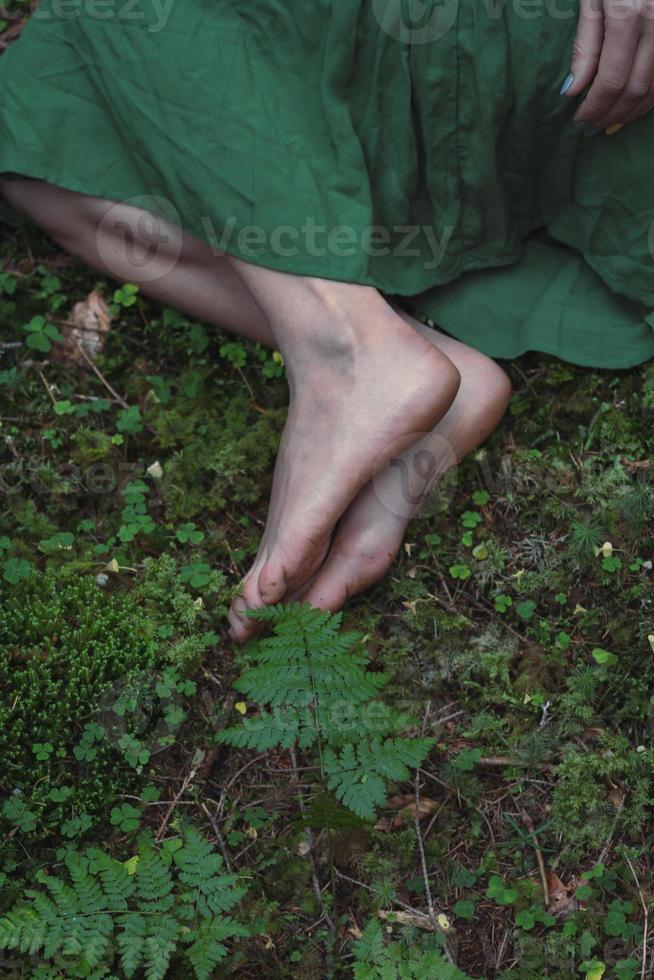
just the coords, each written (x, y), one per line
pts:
(240, 605)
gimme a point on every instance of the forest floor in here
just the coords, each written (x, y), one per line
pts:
(517, 627)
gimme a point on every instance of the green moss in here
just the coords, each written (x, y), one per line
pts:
(63, 645)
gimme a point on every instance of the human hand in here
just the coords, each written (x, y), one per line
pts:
(614, 55)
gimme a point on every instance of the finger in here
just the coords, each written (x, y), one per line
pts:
(613, 73)
(645, 106)
(637, 89)
(587, 48)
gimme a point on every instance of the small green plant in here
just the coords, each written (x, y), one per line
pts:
(377, 960)
(313, 689)
(40, 334)
(498, 891)
(126, 296)
(163, 904)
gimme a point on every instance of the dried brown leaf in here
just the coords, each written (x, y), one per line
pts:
(87, 327)
(560, 897)
(407, 809)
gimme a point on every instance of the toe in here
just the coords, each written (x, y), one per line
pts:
(242, 626)
(344, 576)
(272, 583)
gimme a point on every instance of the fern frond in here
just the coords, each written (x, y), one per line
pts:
(106, 913)
(159, 945)
(376, 961)
(267, 730)
(117, 883)
(131, 942)
(88, 889)
(208, 948)
(358, 775)
(312, 685)
(152, 878)
(210, 891)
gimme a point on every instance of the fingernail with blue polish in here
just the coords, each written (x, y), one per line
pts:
(567, 85)
(591, 131)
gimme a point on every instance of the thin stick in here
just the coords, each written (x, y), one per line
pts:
(643, 969)
(96, 370)
(219, 836)
(529, 824)
(421, 850)
(310, 841)
(46, 386)
(421, 847)
(169, 811)
(362, 884)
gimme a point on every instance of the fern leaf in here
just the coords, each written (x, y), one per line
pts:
(211, 891)
(370, 948)
(358, 775)
(159, 945)
(117, 883)
(208, 948)
(153, 879)
(376, 961)
(90, 896)
(131, 942)
(280, 727)
(88, 937)
(359, 789)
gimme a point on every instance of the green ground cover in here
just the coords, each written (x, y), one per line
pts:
(174, 807)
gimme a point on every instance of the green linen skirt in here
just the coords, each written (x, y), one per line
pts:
(420, 146)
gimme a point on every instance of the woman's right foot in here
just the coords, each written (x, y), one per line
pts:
(364, 386)
(370, 533)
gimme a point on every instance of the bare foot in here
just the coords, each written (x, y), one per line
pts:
(363, 384)
(370, 534)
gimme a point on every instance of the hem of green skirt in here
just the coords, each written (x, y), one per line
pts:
(295, 266)
(503, 354)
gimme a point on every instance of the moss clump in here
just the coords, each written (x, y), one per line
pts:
(63, 645)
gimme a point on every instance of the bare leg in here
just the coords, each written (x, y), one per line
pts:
(127, 244)
(183, 272)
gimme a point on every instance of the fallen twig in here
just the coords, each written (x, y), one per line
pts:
(529, 824)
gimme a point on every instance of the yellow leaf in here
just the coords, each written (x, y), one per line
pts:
(277, 358)
(480, 552)
(578, 610)
(607, 549)
(596, 972)
(241, 707)
(130, 865)
(112, 566)
(651, 641)
(444, 922)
